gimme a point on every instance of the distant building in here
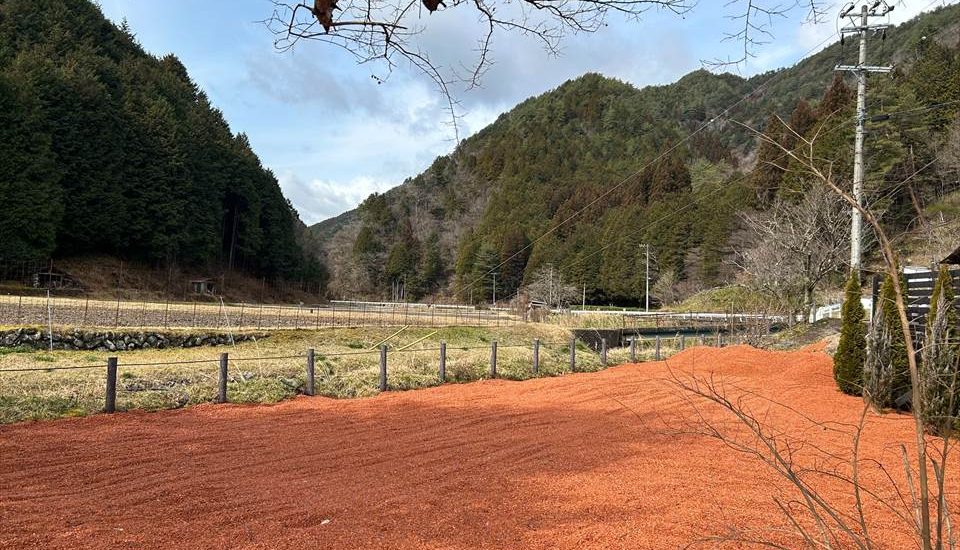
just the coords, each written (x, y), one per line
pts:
(953, 258)
(51, 278)
(203, 286)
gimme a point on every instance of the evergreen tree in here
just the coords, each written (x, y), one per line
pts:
(771, 161)
(29, 180)
(940, 368)
(887, 372)
(848, 362)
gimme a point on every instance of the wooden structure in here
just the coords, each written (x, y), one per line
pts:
(919, 293)
(52, 279)
(203, 287)
(953, 258)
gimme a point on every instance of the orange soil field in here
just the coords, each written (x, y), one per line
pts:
(579, 461)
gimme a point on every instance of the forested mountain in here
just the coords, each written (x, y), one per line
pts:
(107, 149)
(575, 172)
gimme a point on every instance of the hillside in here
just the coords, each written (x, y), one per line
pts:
(558, 160)
(109, 150)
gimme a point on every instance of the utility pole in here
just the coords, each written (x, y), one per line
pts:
(646, 292)
(860, 26)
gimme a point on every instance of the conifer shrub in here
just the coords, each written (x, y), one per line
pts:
(941, 360)
(851, 355)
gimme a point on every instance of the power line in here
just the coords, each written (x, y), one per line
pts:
(723, 114)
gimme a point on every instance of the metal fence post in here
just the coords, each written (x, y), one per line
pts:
(311, 364)
(493, 359)
(383, 367)
(656, 354)
(633, 349)
(222, 389)
(573, 355)
(110, 404)
(443, 362)
(536, 356)
(603, 352)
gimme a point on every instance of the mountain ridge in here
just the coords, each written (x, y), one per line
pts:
(555, 154)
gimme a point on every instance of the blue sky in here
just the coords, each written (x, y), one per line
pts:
(333, 135)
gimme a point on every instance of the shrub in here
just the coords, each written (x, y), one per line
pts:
(851, 353)
(941, 360)
(886, 375)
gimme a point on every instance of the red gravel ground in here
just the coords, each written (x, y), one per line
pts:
(579, 461)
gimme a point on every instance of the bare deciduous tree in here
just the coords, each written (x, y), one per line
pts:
(387, 31)
(797, 245)
(549, 287)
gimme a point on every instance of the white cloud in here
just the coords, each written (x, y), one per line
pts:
(317, 199)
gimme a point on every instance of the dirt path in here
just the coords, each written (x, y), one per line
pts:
(580, 461)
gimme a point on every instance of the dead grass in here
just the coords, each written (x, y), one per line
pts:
(274, 369)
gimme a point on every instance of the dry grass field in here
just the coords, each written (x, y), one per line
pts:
(274, 368)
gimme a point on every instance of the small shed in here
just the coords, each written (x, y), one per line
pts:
(952, 258)
(51, 278)
(203, 286)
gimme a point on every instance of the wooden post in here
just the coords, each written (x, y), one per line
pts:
(222, 387)
(493, 359)
(683, 342)
(194, 323)
(633, 349)
(111, 397)
(656, 353)
(86, 306)
(240, 321)
(573, 355)
(702, 339)
(383, 367)
(311, 364)
(443, 362)
(536, 357)
(603, 352)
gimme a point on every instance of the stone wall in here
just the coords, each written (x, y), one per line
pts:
(35, 338)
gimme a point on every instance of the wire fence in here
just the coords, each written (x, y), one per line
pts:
(82, 312)
(118, 385)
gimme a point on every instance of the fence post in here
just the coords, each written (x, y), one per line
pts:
(573, 355)
(603, 352)
(719, 341)
(443, 362)
(657, 349)
(493, 359)
(111, 398)
(683, 342)
(633, 349)
(702, 339)
(536, 356)
(222, 388)
(383, 367)
(311, 364)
